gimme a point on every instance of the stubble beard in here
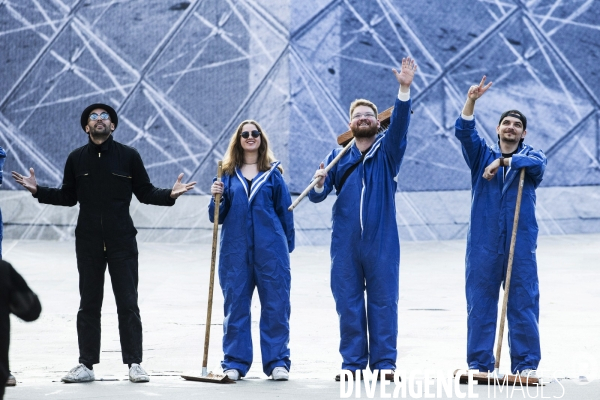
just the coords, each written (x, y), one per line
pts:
(510, 140)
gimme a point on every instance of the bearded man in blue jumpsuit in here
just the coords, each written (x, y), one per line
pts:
(365, 247)
(495, 179)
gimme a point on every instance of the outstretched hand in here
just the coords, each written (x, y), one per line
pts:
(406, 74)
(29, 183)
(476, 91)
(180, 188)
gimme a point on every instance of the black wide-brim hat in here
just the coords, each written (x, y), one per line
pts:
(85, 115)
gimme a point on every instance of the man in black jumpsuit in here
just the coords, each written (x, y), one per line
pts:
(101, 176)
(16, 298)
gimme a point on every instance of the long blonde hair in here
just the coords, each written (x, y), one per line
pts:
(234, 156)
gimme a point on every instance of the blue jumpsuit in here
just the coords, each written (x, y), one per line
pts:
(365, 247)
(256, 239)
(2, 159)
(493, 206)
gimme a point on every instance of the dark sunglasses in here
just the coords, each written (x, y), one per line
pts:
(94, 116)
(247, 134)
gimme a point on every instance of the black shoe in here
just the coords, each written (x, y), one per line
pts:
(11, 381)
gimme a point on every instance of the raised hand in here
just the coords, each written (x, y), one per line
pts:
(29, 183)
(180, 188)
(476, 91)
(407, 72)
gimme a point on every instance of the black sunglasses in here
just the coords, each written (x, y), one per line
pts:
(247, 134)
(94, 116)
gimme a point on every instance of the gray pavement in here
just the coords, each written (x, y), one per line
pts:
(173, 298)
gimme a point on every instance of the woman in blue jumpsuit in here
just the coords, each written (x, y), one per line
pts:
(256, 238)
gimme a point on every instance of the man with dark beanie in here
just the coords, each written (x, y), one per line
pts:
(495, 170)
(102, 176)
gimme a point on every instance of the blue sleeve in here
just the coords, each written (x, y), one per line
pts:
(328, 185)
(473, 145)
(395, 140)
(534, 162)
(223, 206)
(282, 200)
(2, 159)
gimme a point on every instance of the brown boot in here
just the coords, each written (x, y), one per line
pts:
(390, 376)
(338, 378)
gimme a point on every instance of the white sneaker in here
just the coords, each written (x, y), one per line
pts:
(280, 374)
(529, 373)
(79, 374)
(137, 374)
(233, 374)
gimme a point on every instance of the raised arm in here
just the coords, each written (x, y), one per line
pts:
(474, 93)
(395, 141)
(473, 145)
(406, 74)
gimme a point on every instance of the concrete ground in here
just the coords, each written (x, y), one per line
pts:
(173, 297)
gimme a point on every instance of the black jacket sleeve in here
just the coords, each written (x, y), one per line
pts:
(145, 191)
(21, 300)
(66, 195)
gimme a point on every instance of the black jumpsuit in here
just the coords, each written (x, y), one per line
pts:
(102, 179)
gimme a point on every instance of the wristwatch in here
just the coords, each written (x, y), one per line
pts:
(501, 161)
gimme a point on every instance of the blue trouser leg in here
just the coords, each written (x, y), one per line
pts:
(381, 269)
(237, 283)
(483, 280)
(523, 314)
(348, 288)
(273, 283)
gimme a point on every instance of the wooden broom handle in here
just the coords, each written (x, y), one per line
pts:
(513, 240)
(213, 258)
